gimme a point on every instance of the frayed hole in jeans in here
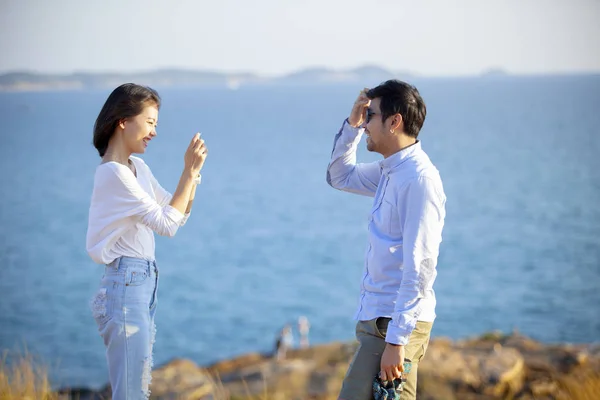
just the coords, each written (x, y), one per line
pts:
(147, 376)
(152, 334)
(148, 364)
(98, 304)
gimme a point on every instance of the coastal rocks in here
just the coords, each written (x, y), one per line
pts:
(497, 366)
(184, 380)
(178, 380)
(496, 371)
(493, 366)
(486, 368)
(314, 373)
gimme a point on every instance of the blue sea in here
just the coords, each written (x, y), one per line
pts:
(269, 240)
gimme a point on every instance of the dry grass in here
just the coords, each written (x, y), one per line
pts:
(585, 386)
(24, 379)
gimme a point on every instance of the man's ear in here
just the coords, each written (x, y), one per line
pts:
(397, 123)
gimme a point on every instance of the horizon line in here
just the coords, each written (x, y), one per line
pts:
(483, 72)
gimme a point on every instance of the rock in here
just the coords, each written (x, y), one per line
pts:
(543, 388)
(521, 343)
(494, 366)
(285, 378)
(491, 370)
(182, 380)
(502, 372)
(431, 388)
(227, 366)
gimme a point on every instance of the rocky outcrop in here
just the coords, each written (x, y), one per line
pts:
(493, 366)
(184, 380)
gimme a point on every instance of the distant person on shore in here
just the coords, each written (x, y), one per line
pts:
(397, 301)
(284, 342)
(303, 329)
(127, 206)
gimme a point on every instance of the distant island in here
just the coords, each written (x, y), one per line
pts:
(30, 81)
(23, 81)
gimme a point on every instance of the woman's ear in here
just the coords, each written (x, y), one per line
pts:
(121, 124)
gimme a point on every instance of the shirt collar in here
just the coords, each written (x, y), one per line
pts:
(393, 161)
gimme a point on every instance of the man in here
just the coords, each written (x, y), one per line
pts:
(397, 301)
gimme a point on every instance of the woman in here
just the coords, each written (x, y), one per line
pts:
(127, 207)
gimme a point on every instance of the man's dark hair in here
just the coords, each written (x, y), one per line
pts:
(126, 101)
(399, 97)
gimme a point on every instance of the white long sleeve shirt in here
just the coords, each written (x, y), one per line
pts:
(405, 231)
(126, 210)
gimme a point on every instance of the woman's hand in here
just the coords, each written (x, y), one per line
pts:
(195, 155)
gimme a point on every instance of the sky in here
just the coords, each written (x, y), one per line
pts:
(275, 37)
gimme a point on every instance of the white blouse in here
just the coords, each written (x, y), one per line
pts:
(126, 210)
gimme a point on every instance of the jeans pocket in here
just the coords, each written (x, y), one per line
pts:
(136, 276)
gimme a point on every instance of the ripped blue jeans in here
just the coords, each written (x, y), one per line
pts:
(124, 308)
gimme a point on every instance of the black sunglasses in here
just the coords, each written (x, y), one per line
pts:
(369, 115)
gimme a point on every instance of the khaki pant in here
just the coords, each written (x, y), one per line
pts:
(358, 383)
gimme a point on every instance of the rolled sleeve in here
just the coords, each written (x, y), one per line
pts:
(184, 219)
(130, 200)
(343, 173)
(399, 334)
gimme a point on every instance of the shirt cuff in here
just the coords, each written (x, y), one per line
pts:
(349, 128)
(347, 137)
(350, 135)
(396, 335)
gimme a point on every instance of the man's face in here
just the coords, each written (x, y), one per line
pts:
(375, 128)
